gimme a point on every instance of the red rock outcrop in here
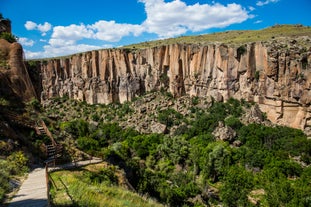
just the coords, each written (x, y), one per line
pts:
(14, 76)
(276, 75)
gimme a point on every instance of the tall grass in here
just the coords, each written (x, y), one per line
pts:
(72, 188)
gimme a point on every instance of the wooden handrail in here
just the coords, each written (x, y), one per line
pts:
(48, 133)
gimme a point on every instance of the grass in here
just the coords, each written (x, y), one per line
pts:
(232, 37)
(73, 188)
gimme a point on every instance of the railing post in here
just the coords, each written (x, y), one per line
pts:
(47, 183)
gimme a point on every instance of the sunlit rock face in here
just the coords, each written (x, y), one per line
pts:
(14, 78)
(275, 75)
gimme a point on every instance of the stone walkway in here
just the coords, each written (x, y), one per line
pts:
(33, 192)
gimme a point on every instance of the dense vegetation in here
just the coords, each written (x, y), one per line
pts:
(261, 166)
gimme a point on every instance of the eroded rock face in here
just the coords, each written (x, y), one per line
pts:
(14, 78)
(275, 76)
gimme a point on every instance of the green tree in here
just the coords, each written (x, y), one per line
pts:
(176, 148)
(217, 157)
(302, 190)
(237, 184)
(279, 191)
(144, 145)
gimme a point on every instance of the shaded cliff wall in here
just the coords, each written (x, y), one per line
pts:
(275, 76)
(5, 25)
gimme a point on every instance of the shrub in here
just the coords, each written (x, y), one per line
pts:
(87, 144)
(35, 104)
(125, 109)
(233, 122)
(17, 163)
(145, 145)
(195, 100)
(78, 128)
(105, 175)
(169, 117)
(8, 37)
(4, 179)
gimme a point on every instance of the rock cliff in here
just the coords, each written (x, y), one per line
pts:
(275, 74)
(14, 78)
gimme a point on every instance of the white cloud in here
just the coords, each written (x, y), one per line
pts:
(51, 51)
(251, 8)
(69, 35)
(112, 32)
(262, 3)
(175, 17)
(43, 28)
(25, 41)
(73, 32)
(102, 30)
(29, 25)
(166, 19)
(258, 22)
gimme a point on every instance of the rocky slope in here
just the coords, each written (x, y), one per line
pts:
(274, 74)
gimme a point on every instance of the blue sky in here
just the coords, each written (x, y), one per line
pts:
(60, 27)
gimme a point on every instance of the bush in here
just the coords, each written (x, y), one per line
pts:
(169, 117)
(8, 37)
(144, 145)
(35, 104)
(105, 175)
(233, 122)
(4, 179)
(88, 144)
(78, 128)
(17, 163)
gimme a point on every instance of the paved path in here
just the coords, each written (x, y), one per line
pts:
(33, 192)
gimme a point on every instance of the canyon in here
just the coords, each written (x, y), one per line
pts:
(274, 74)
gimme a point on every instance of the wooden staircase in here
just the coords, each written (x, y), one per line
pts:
(53, 150)
(19, 120)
